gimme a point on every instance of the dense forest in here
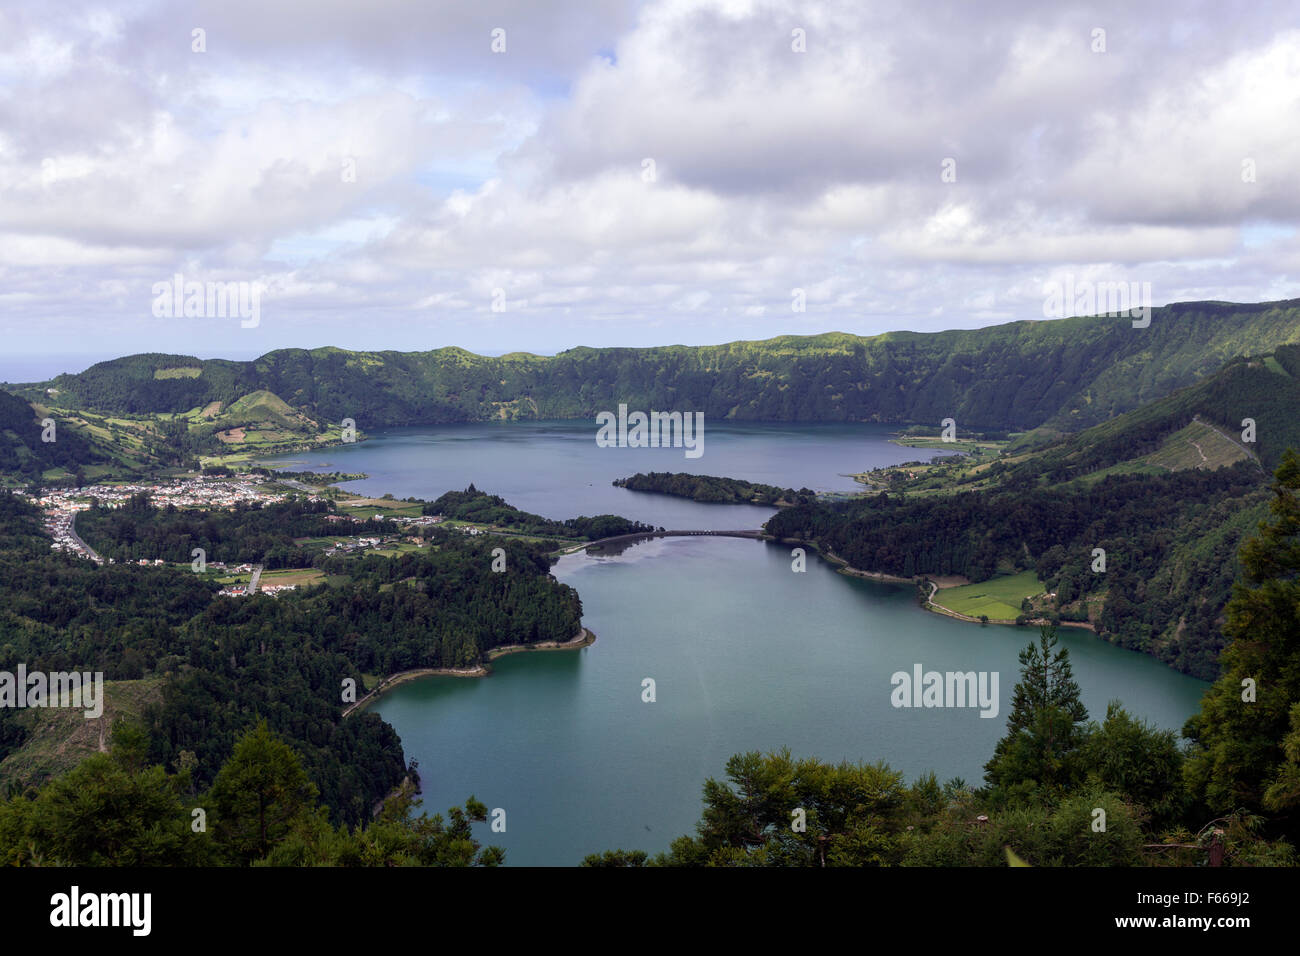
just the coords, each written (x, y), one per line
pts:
(1066, 373)
(227, 662)
(483, 508)
(1170, 544)
(710, 489)
(260, 809)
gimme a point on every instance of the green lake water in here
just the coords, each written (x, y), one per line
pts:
(745, 653)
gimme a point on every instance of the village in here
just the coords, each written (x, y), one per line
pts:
(60, 508)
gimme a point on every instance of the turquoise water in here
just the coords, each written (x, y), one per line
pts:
(745, 653)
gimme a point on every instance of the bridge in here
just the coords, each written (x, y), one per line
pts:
(757, 535)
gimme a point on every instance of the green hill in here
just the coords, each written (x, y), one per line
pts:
(259, 416)
(23, 453)
(1160, 433)
(1168, 490)
(1062, 375)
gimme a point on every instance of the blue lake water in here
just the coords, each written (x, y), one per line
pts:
(745, 653)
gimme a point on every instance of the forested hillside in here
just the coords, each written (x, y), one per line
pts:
(228, 662)
(1065, 373)
(1257, 389)
(1169, 516)
(1170, 544)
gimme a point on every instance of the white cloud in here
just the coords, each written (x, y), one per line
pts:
(125, 157)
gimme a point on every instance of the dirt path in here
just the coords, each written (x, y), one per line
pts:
(1228, 438)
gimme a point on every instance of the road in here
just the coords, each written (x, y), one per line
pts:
(72, 532)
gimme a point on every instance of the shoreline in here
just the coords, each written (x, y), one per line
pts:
(843, 567)
(584, 638)
(932, 605)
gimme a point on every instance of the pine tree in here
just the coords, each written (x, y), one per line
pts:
(1046, 725)
(260, 793)
(1238, 735)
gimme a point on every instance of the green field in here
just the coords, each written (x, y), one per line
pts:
(1272, 365)
(999, 597)
(298, 576)
(369, 507)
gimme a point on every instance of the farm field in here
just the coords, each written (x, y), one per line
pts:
(999, 597)
(299, 576)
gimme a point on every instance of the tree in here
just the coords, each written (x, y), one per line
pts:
(259, 794)
(109, 810)
(1284, 793)
(1132, 758)
(615, 858)
(777, 811)
(1046, 723)
(1238, 750)
(396, 837)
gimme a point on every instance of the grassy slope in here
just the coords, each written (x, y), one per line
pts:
(999, 597)
(62, 738)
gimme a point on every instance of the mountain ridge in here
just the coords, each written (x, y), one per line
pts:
(1065, 374)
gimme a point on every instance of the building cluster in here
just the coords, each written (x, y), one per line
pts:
(61, 505)
(197, 492)
(351, 545)
(241, 590)
(422, 521)
(58, 525)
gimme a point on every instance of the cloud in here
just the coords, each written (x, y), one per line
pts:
(383, 172)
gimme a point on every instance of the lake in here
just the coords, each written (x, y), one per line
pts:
(745, 653)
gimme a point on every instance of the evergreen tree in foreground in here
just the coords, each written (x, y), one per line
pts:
(1046, 725)
(1246, 737)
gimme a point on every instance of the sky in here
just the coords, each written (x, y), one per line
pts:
(525, 175)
